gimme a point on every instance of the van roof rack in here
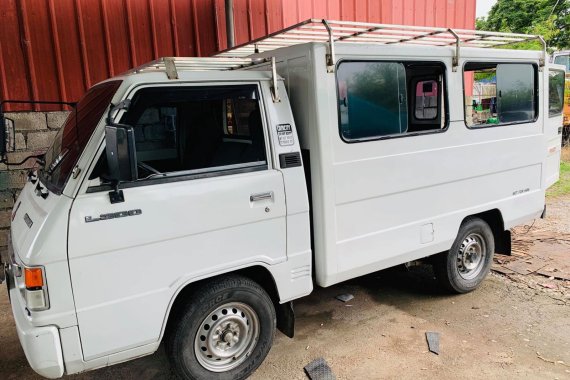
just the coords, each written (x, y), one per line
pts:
(331, 31)
(171, 65)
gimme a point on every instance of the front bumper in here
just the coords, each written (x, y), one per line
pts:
(41, 345)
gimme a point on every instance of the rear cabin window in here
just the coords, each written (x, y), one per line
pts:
(198, 130)
(555, 92)
(499, 94)
(389, 99)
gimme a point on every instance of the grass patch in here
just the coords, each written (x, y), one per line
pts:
(562, 187)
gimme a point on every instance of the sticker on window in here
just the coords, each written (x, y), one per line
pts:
(285, 134)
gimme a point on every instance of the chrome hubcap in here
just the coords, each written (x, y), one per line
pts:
(226, 337)
(471, 256)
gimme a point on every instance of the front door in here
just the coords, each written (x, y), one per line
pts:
(207, 200)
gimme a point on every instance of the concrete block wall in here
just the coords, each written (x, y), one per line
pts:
(34, 133)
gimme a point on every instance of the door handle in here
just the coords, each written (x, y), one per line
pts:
(261, 196)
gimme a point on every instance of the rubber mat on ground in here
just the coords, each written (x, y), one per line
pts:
(318, 369)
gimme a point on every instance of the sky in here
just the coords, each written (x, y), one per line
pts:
(484, 6)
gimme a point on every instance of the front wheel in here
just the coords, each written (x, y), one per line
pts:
(466, 264)
(225, 331)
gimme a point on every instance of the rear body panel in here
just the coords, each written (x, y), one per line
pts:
(374, 201)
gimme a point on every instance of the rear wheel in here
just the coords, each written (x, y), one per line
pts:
(224, 331)
(466, 264)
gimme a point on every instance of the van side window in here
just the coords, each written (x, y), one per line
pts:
(555, 92)
(499, 93)
(389, 99)
(200, 131)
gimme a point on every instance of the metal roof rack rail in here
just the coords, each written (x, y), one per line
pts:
(331, 32)
(171, 66)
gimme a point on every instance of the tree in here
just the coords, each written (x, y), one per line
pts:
(548, 18)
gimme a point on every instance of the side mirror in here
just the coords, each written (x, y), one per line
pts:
(121, 153)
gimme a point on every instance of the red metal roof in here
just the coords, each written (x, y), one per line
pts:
(56, 49)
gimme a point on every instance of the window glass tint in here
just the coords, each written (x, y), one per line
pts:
(499, 93)
(426, 100)
(196, 129)
(372, 99)
(515, 87)
(73, 137)
(555, 92)
(563, 60)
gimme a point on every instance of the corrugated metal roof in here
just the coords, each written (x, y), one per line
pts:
(56, 49)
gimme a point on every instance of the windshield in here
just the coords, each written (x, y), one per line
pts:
(72, 138)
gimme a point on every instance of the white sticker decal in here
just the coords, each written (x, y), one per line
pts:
(285, 134)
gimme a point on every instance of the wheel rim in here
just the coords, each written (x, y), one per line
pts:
(226, 337)
(471, 256)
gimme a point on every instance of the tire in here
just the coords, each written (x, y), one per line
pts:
(466, 264)
(224, 331)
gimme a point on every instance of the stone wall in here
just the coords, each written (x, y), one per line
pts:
(34, 134)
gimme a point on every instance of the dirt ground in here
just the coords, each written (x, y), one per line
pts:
(514, 326)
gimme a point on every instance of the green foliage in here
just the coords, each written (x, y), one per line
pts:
(485, 74)
(548, 18)
(562, 187)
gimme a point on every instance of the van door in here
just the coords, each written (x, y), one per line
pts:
(207, 200)
(553, 125)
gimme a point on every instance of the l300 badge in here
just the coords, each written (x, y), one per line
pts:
(113, 215)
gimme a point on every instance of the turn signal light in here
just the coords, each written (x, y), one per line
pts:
(33, 278)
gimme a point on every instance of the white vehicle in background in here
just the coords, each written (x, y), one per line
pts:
(563, 58)
(191, 200)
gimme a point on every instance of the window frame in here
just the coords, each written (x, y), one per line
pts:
(561, 113)
(193, 174)
(444, 87)
(536, 94)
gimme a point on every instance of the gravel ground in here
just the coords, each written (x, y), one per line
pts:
(505, 329)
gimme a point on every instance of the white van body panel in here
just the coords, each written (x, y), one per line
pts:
(39, 238)
(374, 201)
(211, 228)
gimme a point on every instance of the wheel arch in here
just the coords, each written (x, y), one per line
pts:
(502, 237)
(258, 273)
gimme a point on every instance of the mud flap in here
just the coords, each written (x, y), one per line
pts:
(503, 245)
(286, 319)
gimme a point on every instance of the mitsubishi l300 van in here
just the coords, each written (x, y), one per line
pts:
(191, 200)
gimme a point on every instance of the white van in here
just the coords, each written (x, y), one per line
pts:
(192, 199)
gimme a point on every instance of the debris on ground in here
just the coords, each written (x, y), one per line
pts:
(538, 253)
(555, 362)
(549, 286)
(318, 369)
(433, 341)
(344, 297)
